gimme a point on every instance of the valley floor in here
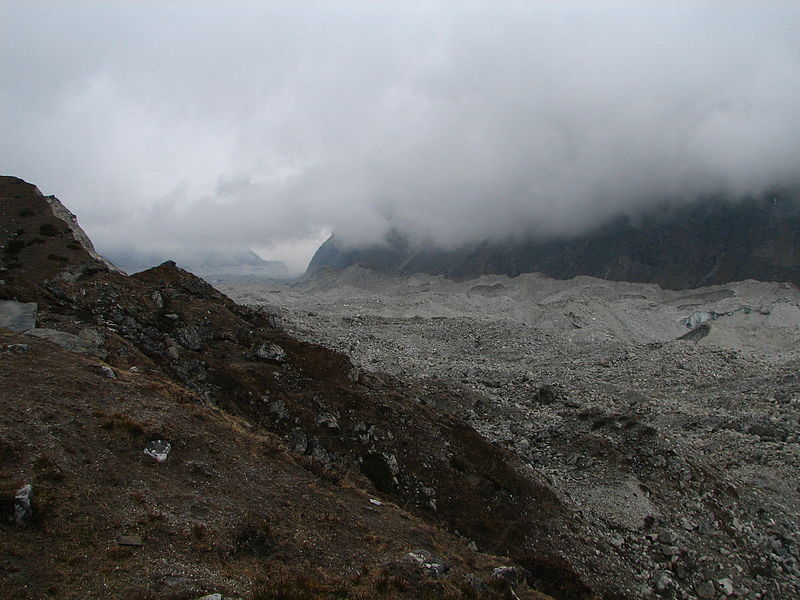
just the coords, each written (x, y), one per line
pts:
(681, 456)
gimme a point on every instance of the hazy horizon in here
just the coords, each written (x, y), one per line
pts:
(268, 126)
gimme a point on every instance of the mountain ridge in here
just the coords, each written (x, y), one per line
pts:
(704, 243)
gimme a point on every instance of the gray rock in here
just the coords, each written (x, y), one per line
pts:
(319, 453)
(431, 563)
(297, 441)
(391, 462)
(271, 352)
(107, 371)
(509, 575)
(158, 450)
(617, 541)
(93, 335)
(278, 408)
(190, 337)
(726, 585)
(666, 536)
(158, 299)
(663, 582)
(668, 550)
(328, 420)
(707, 528)
(23, 504)
(706, 589)
(18, 348)
(210, 597)
(17, 316)
(69, 342)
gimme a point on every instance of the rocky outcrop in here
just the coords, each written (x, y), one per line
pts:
(706, 243)
(39, 237)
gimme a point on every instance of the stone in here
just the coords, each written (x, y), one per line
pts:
(69, 342)
(158, 299)
(668, 550)
(158, 450)
(107, 371)
(23, 504)
(666, 536)
(328, 420)
(278, 408)
(190, 337)
(210, 597)
(663, 582)
(707, 528)
(726, 585)
(391, 462)
(93, 335)
(509, 575)
(271, 352)
(431, 563)
(17, 348)
(706, 589)
(297, 441)
(17, 316)
(319, 452)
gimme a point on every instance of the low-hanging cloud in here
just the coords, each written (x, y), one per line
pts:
(264, 124)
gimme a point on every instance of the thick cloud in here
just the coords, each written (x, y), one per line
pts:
(265, 125)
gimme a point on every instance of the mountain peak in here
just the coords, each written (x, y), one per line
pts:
(40, 237)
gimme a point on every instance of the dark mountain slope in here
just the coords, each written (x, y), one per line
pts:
(705, 243)
(277, 447)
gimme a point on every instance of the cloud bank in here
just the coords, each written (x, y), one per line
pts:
(267, 125)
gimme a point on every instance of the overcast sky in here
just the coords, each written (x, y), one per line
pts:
(269, 125)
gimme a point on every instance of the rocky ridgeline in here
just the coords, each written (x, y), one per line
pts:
(106, 375)
(681, 458)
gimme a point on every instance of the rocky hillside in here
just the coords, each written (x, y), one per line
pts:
(158, 440)
(706, 243)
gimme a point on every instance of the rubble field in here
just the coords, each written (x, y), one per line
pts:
(667, 420)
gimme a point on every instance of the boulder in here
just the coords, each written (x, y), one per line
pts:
(270, 352)
(23, 505)
(17, 316)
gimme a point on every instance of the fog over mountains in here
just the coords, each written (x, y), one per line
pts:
(705, 243)
(268, 126)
